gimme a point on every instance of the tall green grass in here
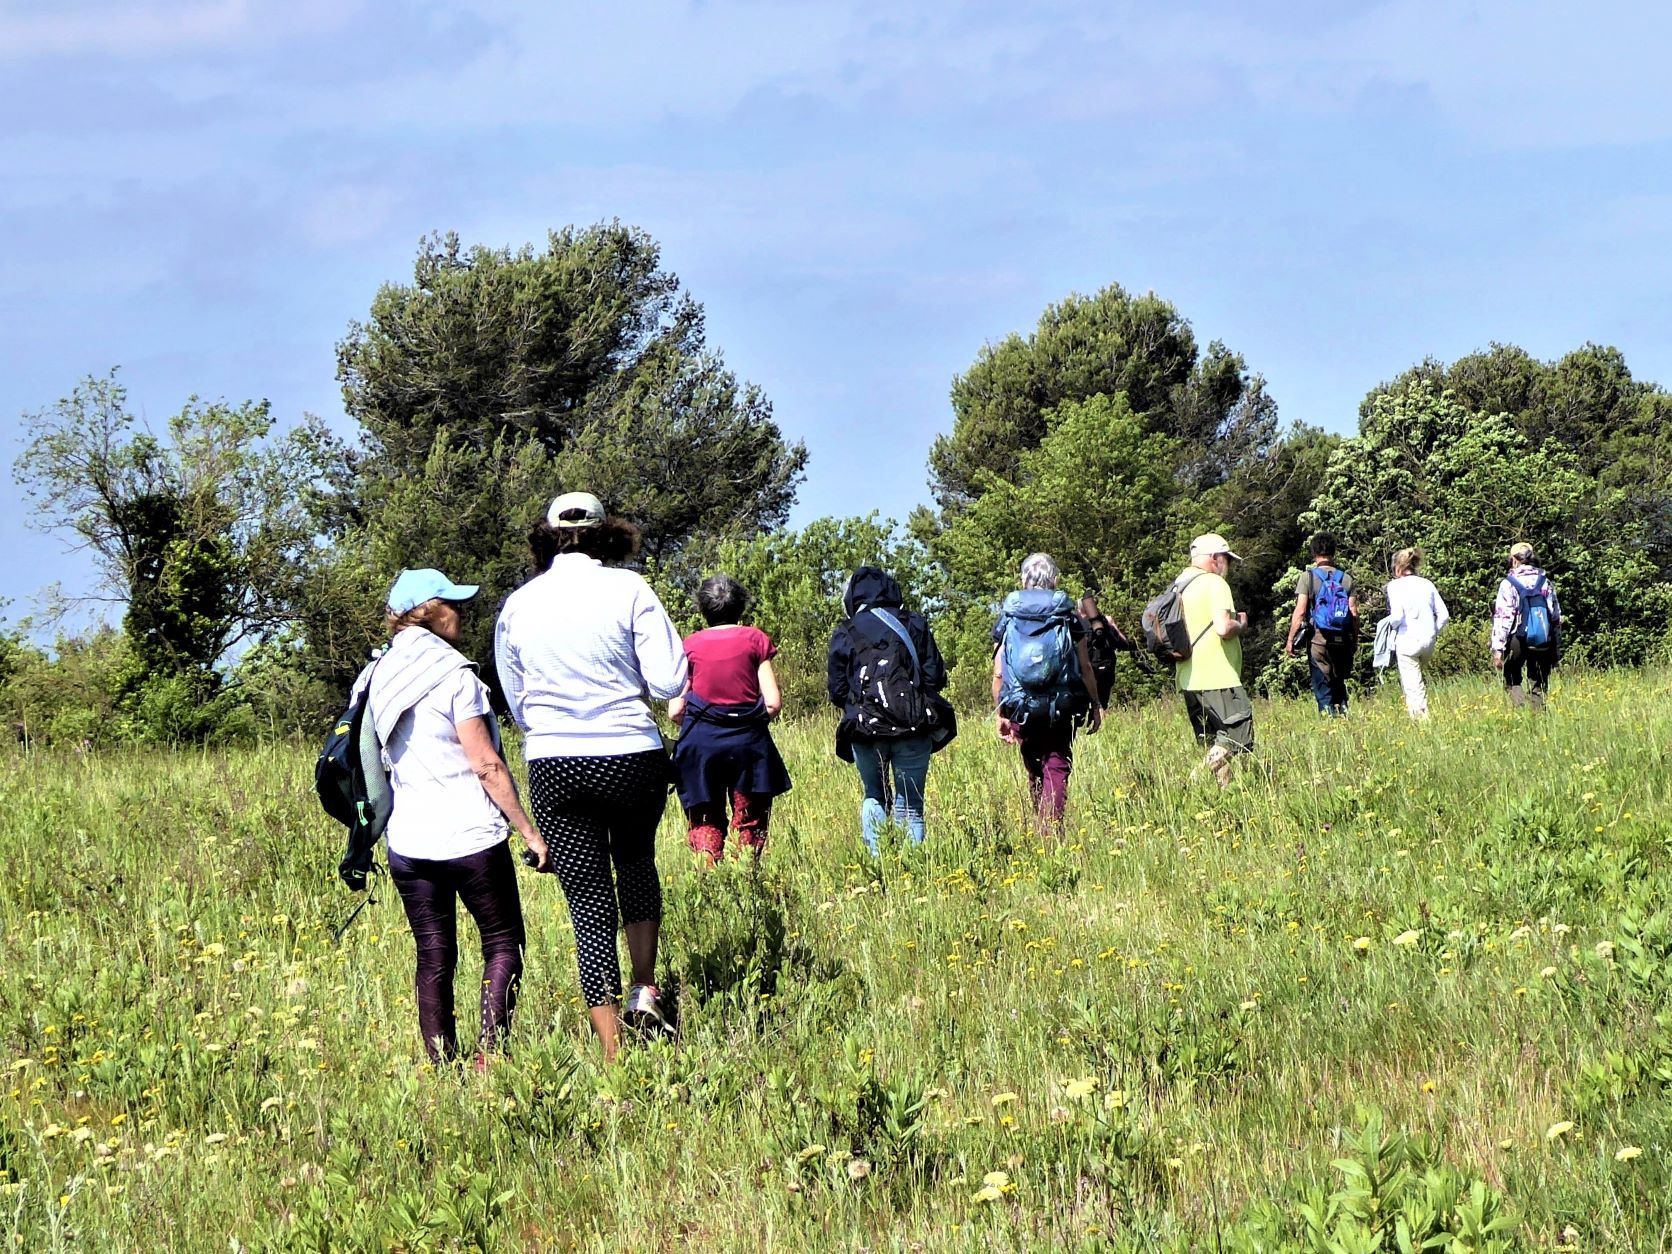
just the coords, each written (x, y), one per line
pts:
(1399, 980)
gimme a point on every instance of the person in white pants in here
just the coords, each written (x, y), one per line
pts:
(1419, 614)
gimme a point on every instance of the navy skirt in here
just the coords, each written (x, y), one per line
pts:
(724, 749)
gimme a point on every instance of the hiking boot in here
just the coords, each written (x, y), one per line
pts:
(1219, 762)
(643, 1010)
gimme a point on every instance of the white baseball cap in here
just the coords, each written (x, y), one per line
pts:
(1211, 545)
(576, 509)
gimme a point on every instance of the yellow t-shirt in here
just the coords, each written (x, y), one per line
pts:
(1214, 662)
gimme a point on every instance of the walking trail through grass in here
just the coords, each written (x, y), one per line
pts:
(1396, 979)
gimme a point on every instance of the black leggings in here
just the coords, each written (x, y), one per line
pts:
(487, 883)
(593, 811)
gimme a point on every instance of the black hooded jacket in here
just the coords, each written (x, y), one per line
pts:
(867, 587)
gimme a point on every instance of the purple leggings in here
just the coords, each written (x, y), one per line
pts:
(1048, 753)
(487, 883)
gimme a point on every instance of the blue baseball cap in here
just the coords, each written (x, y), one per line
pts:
(414, 587)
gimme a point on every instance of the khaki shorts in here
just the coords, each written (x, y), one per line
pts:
(1222, 716)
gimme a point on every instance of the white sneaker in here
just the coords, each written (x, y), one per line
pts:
(643, 1009)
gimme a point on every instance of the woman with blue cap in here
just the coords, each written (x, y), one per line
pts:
(580, 647)
(453, 796)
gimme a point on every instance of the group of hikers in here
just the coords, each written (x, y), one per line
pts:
(584, 646)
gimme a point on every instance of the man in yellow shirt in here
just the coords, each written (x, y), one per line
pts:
(1220, 712)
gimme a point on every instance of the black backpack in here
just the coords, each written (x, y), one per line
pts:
(886, 676)
(1101, 648)
(1165, 634)
(353, 787)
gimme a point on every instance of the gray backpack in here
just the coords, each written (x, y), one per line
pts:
(1165, 634)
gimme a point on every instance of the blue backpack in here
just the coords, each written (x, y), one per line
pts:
(1532, 614)
(1041, 684)
(1330, 611)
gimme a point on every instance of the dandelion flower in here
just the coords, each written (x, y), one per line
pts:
(858, 1169)
(1079, 1090)
(1605, 949)
(214, 1138)
(987, 1193)
(1558, 1129)
(1547, 972)
(1004, 1099)
(812, 1151)
(1626, 1153)
(1362, 944)
(996, 1179)
(1409, 936)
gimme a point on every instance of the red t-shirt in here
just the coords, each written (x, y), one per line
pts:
(725, 663)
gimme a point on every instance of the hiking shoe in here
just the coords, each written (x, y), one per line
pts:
(1219, 762)
(643, 1010)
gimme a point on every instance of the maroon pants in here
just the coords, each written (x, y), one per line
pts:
(487, 884)
(1048, 753)
(750, 816)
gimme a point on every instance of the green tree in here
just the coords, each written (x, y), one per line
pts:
(203, 535)
(590, 351)
(1109, 344)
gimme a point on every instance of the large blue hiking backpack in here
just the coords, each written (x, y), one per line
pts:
(1533, 623)
(1041, 673)
(1330, 610)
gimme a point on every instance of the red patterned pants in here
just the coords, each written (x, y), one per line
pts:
(749, 818)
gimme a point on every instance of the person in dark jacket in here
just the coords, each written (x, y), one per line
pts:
(886, 676)
(1104, 639)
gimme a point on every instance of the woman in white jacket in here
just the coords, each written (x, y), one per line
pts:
(580, 647)
(1418, 614)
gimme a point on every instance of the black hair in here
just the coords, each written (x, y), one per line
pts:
(1323, 545)
(613, 540)
(722, 600)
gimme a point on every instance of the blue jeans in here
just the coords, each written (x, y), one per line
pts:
(908, 756)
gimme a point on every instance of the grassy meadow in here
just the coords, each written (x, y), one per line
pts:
(1397, 985)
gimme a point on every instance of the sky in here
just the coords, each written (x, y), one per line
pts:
(206, 193)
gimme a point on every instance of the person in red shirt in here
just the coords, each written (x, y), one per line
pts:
(725, 750)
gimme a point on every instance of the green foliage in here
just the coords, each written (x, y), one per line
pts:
(204, 535)
(1108, 344)
(1396, 1193)
(589, 352)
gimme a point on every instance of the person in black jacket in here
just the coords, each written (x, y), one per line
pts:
(886, 676)
(1104, 639)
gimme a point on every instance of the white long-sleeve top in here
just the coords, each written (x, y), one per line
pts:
(580, 648)
(1418, 613)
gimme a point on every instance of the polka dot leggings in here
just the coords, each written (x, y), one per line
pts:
(593, 811)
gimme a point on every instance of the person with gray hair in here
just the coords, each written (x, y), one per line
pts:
(1039, 572)
(1043, 684)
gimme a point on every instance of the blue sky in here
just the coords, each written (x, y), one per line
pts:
(206, 192)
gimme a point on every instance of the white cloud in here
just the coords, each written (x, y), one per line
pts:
(139, 31)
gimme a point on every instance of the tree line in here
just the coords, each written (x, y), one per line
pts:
(250, 562)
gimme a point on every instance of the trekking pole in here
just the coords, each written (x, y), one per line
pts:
(337, 936)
